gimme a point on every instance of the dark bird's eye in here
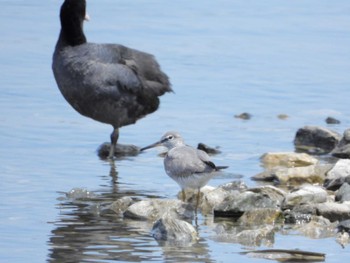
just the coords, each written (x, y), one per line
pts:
(170, 137)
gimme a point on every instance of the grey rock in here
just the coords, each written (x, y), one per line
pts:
(342, 150)
(153, 209)
(299, 214)
(334, 211)
(331, 120)
(295, 175)
(257, 237)
(318, 227)
(244, 116)
(338, 175)
(120, 150)
(343, 193)
(174, 230)
(216, 196)
(121, 204)
(344, 226)
(316, 140)
(235, 205)
(305, 195)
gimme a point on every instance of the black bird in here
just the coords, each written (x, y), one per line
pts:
(109, 83)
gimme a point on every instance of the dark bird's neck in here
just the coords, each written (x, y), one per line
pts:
(72, 33)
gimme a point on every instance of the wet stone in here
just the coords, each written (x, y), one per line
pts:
(334, 211)
(342, 150)
(332, 120)
(121, 204)
(154, 209)
(316, 140)
(234, 206)
(343, 193)
(174, 230)
(121, 150)
(244, 116)
(305, 195)
(261, 216)
(338, 175)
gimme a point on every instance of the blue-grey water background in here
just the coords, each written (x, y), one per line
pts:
(223, 57)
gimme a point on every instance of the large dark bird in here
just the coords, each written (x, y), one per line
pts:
(109, 83)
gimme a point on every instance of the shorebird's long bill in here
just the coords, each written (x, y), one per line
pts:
(151, 146)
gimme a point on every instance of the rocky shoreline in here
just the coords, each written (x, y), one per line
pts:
(308, 191)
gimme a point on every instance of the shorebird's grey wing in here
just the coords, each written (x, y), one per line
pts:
(186, 160)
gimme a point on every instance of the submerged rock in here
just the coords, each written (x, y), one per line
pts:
(342, 150)
(338, 175)
(331, 120)
(244, 116)
(121, 150)
(154, 209)
(171, 229)
(316, 140)
(121, 204)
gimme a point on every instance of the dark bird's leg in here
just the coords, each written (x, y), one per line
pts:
(114, 139)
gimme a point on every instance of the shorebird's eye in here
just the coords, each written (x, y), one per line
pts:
(170, 137)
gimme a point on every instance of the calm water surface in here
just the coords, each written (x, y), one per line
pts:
(223, 57)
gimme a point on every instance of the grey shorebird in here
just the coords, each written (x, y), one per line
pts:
(109, 83)
(189, 167)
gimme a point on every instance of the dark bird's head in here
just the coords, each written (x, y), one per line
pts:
(73, 13)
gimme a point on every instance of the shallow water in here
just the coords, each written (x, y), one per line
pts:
(223, 58)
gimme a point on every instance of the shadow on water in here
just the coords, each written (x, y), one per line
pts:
(88, 230)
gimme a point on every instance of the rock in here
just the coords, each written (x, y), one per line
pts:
(331, 120)
(121, 204)
(207, 149)
(261, 216)
(274, 193)
(154, 209)
(316, 140)
(287, 159)
(174, 230)
(282, 116)
(343, 238)
(257, 237)
(318, 227)
(244, 116)
(296, 175)
(305, 195)
(334, 211)
(215, 197)
(235, 205)
(342, 150)
(286, 255)
(338, 175)
(261, 235)
(120, 150)
(299, 214)
(344, 226)
(343, 193)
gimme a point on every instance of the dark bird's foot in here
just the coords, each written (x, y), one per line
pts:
(121, 150)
